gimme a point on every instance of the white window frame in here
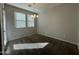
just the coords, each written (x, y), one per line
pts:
(30, 21)
(19, 20)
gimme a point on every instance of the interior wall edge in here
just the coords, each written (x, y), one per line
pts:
(60, 39)
(23, 36)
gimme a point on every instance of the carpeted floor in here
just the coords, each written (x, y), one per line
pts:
(55, 46)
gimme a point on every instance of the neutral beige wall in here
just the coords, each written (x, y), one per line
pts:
(15, 33)
(60, 22)
(78, 26)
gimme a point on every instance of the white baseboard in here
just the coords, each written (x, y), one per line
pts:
(65, 40)
(62, 39)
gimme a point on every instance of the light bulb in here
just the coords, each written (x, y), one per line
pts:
(37, 16)
(32, 16)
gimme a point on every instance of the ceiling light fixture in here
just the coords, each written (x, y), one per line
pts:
(33, 15)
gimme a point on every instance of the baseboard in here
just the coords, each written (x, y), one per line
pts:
(62, 39)
(65, 40)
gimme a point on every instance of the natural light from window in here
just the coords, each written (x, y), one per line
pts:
(20, 20)
(30, 21)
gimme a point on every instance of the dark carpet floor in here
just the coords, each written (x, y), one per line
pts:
(55, 46)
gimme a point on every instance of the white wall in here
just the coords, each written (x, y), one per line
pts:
(59, 22)
(12, 31)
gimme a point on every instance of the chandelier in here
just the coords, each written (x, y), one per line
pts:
(33, 15)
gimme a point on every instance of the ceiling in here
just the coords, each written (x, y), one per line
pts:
(35, 7)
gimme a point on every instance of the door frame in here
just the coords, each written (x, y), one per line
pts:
(2, 28)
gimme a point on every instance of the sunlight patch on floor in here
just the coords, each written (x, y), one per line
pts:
(29, 46)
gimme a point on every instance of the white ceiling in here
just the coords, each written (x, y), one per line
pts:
(37, 7)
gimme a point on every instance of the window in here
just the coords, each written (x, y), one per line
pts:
(20, 20)
(30, 21)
